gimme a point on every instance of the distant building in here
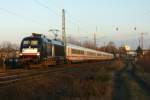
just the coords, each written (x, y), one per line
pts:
(127, 48)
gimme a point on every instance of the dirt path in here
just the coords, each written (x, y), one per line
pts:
(121, 92)
(128, 85)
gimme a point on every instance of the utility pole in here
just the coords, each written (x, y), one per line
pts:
(95, 38)
(139, 43)
(64, 30)
(104, 47)
(142, 40)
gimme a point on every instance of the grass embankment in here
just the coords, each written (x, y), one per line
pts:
(128, 86)
(144, 62)
(144, 67)
(92, 81)
(137, 79)
(135, 91)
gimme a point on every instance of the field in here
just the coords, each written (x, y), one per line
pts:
(116, 80)
(84, 82)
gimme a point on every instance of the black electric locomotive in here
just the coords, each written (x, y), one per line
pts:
(38, 47)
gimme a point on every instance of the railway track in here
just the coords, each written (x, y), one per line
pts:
(13, 76)
(6, 80)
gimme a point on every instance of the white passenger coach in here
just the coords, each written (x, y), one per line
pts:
(78, 54)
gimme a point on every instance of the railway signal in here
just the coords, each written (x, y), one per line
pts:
(135, 28)
(117, 29)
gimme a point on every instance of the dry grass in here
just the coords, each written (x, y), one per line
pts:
(116, 65)
(144, 67)
(88, 82)
(93, 84)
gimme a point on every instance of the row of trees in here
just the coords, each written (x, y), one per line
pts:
(7, 50)
(7, 46)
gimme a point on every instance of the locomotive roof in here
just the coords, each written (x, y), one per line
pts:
(58, 42)
(44, 38)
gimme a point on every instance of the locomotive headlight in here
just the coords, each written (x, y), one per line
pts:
(20, 54)
(38, 54)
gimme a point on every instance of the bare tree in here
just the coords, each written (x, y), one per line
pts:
(8, 50)
(74, 41)
(88, 44)
(7, 46)
(110, 47)
(122, 51)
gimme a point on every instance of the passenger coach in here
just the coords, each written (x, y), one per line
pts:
(78, 54)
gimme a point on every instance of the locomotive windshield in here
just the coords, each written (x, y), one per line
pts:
(30, 42)
(33, 43)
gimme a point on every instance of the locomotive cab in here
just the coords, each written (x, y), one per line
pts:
(30, 47)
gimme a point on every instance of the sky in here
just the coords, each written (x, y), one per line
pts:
(20, 18)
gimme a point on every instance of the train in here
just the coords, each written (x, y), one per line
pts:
(37, 48)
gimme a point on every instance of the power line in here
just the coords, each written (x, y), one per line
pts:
(46, 7)
(54, 12)
(20, 16)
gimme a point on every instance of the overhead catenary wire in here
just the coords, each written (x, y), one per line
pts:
(21, 16)
(55, 13)
(73, 22)
(47, 7)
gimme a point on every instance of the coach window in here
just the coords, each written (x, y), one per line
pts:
(91, 53)
(75, 51)
(81, 52)
(99, 54)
